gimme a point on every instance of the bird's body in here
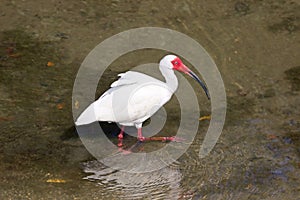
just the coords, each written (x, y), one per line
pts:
(142, 94)
(135, 97)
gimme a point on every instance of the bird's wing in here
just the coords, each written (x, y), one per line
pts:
(125, 79)
(132, 77)
(129, 78)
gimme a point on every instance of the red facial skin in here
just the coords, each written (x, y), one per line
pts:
(176, 63)
(179, 66)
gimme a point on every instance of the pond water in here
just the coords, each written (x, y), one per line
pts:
(255, 45)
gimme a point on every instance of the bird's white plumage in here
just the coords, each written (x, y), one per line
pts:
(132, 99)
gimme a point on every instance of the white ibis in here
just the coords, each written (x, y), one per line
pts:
(135, 97)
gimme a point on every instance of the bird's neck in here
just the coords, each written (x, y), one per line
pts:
(170, 77)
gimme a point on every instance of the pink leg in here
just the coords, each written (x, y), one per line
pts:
(140, 135)
(120, 137)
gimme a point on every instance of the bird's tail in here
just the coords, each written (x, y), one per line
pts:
(87, 116)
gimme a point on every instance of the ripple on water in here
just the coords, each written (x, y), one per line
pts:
(161, 184)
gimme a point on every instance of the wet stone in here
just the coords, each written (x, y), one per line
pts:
(293, 75)
(241, 8)
(288, 24)
(62, 35)
(267, 94)
(287, 140)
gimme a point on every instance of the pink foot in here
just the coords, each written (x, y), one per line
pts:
(142, 139)
(120, 143)
(164, 139)
(125, 152)
(174, 139)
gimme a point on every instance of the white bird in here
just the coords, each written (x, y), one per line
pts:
(135, 97)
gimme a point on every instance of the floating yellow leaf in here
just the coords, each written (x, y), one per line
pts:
(60, 106)
(56, 181)
(205, 118)
(50, 64)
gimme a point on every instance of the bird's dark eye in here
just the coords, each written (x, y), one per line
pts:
(176, 63)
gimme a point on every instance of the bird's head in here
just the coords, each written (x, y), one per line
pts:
(174, 63)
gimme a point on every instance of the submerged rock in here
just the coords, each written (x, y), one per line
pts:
(293, 75)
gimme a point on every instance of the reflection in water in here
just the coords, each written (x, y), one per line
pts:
(161, 184)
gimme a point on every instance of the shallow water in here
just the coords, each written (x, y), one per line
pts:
(237, 168)
(255, 45)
